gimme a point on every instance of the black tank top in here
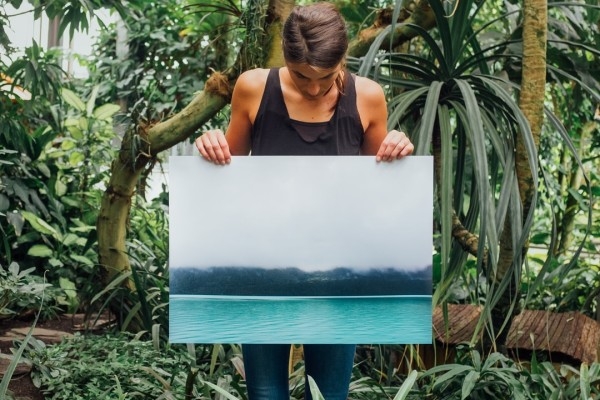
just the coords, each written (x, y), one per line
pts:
(275, 133)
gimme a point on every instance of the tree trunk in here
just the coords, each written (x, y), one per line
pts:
(575, 181)
(140, 147)
(125, 170)
(531, 102)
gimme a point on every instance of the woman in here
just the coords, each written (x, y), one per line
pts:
(311, 106)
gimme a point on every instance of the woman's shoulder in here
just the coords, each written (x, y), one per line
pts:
(367, 88)
(371, 104)
(252, 80)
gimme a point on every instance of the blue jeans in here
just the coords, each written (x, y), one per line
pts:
(266, 366)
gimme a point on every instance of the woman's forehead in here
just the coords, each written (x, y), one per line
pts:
(310, 71)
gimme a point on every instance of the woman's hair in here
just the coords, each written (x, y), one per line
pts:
(315, 35)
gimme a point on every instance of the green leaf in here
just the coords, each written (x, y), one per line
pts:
(579, 198)
(71, 98)
(76, 158)
(13, 268)
(113, 284)
(406, 386)
(476, 359)
(314, 389)
(446, 188)
(75, 132)
(39, 250)
(70, 239)
(55, 262)
(6, 379)
(15, 3)
(39, 224)
(92, 101)
(429, 117)
(81, 259)
(43, 168)
(67, 145)
(71, 122)
(17, 221)
(214, 357)
(84, 124)
(469, 383)
(68, 286)
(106, 111)
(223, 392)
(4, 202)
(400, 104)
(453, 370)
(368, 60)
(584, 382)
(60, 188)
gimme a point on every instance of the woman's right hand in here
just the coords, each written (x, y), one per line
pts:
(213, 147)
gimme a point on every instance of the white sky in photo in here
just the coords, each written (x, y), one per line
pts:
(314, 213)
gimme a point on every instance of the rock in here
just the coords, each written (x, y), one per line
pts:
(45, 335)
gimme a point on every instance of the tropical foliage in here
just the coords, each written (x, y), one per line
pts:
(77, 162)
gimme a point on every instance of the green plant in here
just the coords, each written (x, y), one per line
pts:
(564, 382)
(458, 108)
(55, 199)
(457, 96)
(28, 124)
(146, 307)
(495, 377)
(152, 71)
(5, 243)
(104, 367)
(404, 390)
(109, 366)
(564, 287)
(20, 292)
(4, 392)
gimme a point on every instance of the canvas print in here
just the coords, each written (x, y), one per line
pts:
(300, 250)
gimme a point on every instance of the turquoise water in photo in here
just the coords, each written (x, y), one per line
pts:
(233, 319)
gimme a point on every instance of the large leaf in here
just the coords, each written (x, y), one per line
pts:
(71, 98)
(469, 384)
(39, 224)
(406, 386)
(12, 366)
(40, 250)
(429, 117)
(106, 111)
(314, 389)
(91, 103)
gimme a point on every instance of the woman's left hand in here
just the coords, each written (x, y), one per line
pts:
(395, 145)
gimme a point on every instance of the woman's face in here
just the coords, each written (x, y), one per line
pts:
(313, 83)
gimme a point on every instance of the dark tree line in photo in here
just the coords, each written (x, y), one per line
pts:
(255, 281)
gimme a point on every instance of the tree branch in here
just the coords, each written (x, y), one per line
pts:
(413, 12)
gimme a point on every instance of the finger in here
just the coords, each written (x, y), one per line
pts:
(407, 150)
(201, 148)
(207, 148)
(384, 151)
(395, 145)
(403, 148)
(389, 148)
(224, 146)
(213, 147)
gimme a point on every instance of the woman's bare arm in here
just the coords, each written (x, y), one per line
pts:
(217, 147)
(372, 108)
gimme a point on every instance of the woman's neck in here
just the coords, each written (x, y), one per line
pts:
(306, 108)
